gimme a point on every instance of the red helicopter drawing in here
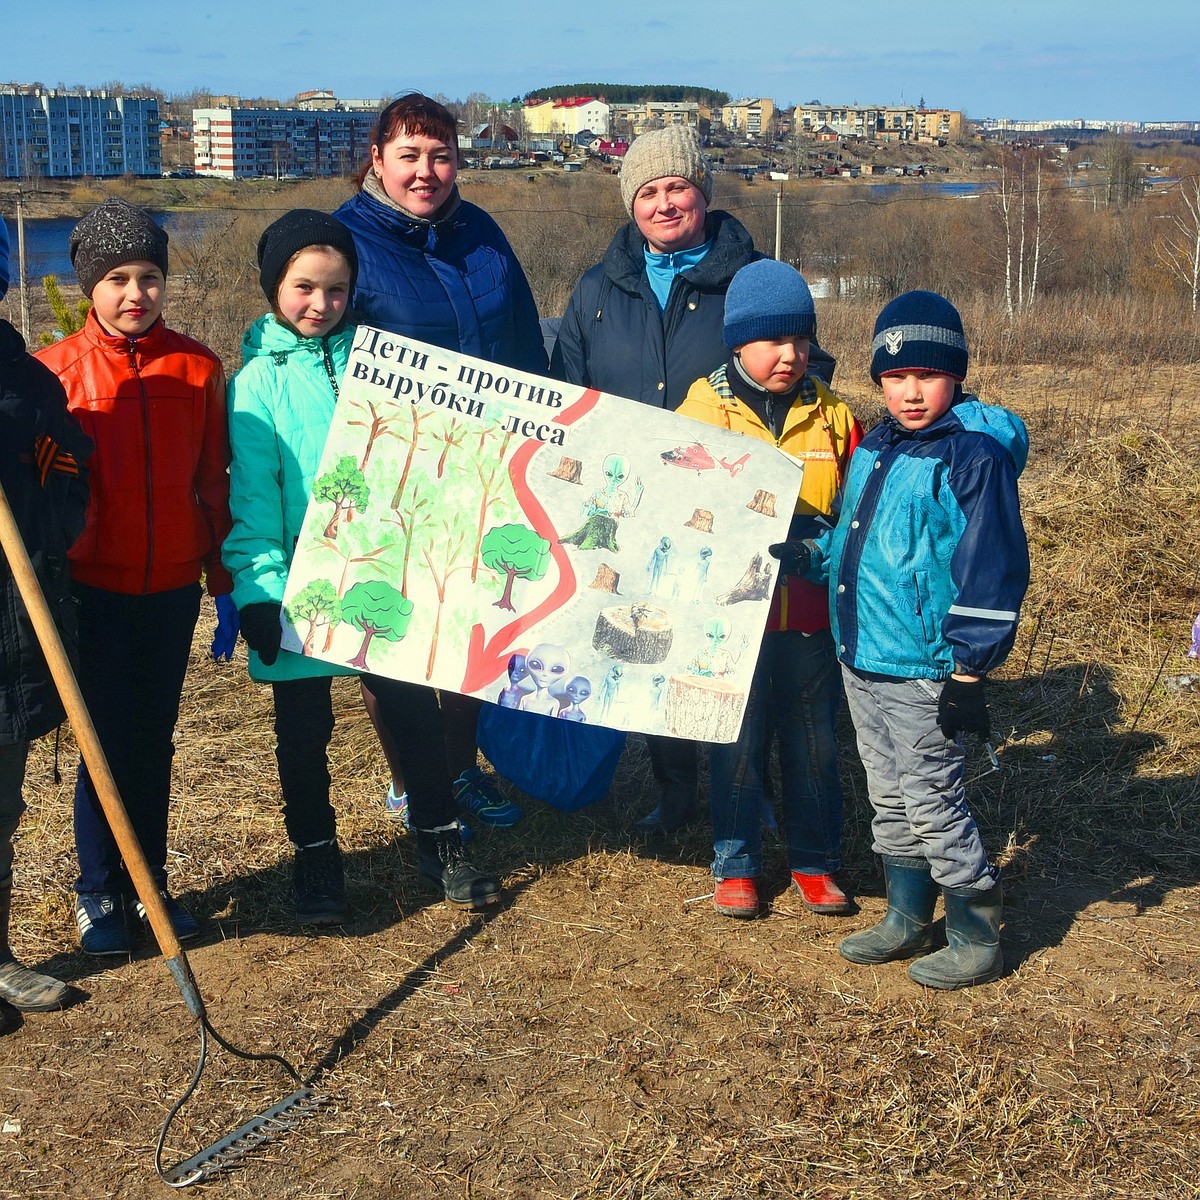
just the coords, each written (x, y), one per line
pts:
(696, 458)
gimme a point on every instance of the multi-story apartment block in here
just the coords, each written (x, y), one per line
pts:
(240, 143)
(566, 117)
(750, 117)
(880, 122)
(635, 119)
(57, 134)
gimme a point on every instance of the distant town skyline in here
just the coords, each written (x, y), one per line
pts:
(1015, 59)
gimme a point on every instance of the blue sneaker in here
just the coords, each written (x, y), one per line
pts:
(102, 925)
(397, 806)
(186, 927)
(475, 792)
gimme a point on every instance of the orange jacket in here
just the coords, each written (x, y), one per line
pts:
(159, 504)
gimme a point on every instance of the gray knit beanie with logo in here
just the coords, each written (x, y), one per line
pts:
(674, 150)
(113, 233)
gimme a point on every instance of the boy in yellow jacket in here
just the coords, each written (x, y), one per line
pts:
(763, 391)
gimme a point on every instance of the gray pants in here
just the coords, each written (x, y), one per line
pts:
(915, 779)
(12, 805)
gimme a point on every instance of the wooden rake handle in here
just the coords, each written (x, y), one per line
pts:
(85, 732)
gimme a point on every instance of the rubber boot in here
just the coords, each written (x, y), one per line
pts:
(442, 863)
(906, 929)
(973, 954)
(24, 989)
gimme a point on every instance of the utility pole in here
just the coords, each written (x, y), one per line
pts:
(779, 223)
(22, 275)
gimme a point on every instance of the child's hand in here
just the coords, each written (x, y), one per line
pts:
(226, 634)
(262, 631)
(962, 708)
(794, 556)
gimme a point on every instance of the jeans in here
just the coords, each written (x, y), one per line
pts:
(797, 678)
(303, 727)
(915, 779)
(133, 656)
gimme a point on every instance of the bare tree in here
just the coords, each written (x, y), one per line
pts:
(1179, 250)
(1021, 204)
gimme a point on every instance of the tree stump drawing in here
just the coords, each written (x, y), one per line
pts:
(702, 520)
(763, 502)
(704, 707)
(635, 633)
(755, 584)
(569, 469)
(607, 580)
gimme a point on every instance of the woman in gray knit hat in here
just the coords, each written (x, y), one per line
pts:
(646, 322)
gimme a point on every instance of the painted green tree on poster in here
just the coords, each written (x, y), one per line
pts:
(379, 610)
(345, 487)
(318, 604)
(517, 552)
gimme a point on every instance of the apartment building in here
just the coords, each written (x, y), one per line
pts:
(752, 118)
(636, 119)
(566, 117)
(61, 135)
(243, 143)
(880, 122)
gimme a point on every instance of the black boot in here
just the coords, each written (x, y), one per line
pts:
(906, 928)
(442, 863)
(673, 761)
(319, 885)
(10, 1019)
(29, 991)
(973, 955)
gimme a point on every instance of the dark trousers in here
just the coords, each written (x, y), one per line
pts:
(303, 727)
(676, 770)
(133, 656)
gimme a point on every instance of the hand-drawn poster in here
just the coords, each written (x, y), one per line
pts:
(545, 547)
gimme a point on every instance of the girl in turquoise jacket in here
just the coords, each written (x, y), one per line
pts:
(281, 404)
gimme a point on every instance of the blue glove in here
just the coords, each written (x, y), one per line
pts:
(226, 634)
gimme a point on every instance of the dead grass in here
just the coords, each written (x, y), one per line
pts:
(605, 1034)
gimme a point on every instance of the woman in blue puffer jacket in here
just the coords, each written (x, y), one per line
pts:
(438, 269)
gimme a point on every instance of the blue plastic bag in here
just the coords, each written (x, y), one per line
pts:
(565, 764)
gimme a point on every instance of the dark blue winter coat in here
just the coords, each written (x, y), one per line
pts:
(615, 337)
(454, 282)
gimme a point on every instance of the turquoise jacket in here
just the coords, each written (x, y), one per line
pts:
(280, 407)
(928, 563)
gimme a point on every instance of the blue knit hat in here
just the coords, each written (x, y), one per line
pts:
(3, 258)
(768, 299)
(919, 331)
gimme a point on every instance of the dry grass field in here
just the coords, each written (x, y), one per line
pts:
(603, 1033)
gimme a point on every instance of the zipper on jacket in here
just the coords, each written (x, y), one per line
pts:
(133, 366)
(327, 359)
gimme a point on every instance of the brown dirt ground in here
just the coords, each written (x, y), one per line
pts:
(604, 1033)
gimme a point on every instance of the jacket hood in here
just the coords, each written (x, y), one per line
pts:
(268, 336)
(375, 207)
(732, 247)
(969, 412)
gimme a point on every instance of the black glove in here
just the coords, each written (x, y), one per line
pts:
(262, 631)
(794, 556)
(962, 708)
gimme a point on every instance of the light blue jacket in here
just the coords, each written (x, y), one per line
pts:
(280, 407)
(928, 563)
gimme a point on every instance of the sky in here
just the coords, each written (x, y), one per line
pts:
(1022, 59)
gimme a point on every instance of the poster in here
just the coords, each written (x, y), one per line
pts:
(542, 546)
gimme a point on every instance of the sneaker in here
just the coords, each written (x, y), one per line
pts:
(820, 893)
(29, 990)
(103, 928)
(186, 927)
(397, 806)
(319, 885)
(476, 793)
(736, 898)
(442, 863)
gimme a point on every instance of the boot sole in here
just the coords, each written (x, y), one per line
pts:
(435, 885)
(864, 960)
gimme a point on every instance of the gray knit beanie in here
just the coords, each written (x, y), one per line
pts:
(113, 233)
(674, 150)
(766, 300)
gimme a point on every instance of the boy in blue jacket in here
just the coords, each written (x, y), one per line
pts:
(927, 567)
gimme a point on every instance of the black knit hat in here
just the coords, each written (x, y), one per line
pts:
(295, 231)
(919, 331)
(113, 233)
